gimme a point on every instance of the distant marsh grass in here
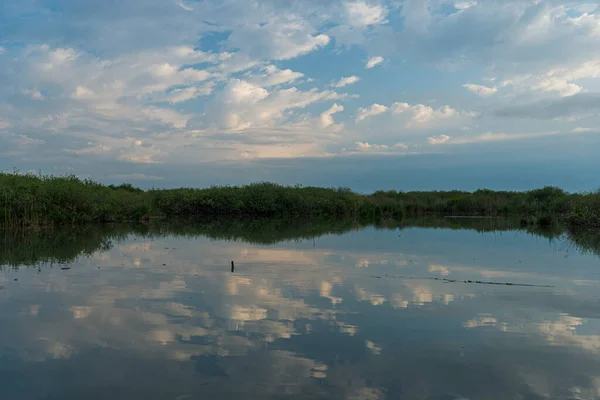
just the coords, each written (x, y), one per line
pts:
(32, 201)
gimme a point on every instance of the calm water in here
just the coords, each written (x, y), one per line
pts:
(368, 314)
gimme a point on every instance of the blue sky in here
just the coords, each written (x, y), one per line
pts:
(412, 94)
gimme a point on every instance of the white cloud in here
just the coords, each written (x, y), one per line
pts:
(244, 105)
(361, 14)
(326, 117)
(438, 139)
(158, 85)
(582, 130)
(371, 146)
(273, 76)
(81, 92)
(480, 90)
(33, 93)
(188, 93)
(375, 109)
(421, 114)
(373, 61)
(368, 146)
(281, 38)
(348, 80)
(242, 92)
(463, 5)
(482, 320)
(562, 86)
(440, 269)
(495, 137)
(184, 6)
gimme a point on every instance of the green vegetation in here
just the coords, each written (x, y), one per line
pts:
(30, 201)
(37, 201)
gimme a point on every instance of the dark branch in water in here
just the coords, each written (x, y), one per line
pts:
(447, 280)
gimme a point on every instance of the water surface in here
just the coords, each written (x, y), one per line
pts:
(364, 314)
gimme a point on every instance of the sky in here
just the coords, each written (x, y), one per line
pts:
(368, 94)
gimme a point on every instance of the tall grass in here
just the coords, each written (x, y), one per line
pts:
(272, 200)
(28, 201)
(35, 201)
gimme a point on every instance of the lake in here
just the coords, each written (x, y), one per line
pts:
(474, 310)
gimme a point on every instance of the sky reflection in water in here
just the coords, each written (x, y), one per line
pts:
(330, 318)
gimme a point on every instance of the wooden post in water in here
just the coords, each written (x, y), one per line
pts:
(232, 266)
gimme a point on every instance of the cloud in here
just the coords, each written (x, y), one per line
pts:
(361, 14)
(578, 105)
(439, 269)
(480, 321)
(242, 92)
(184, 6)
(374, 109)
(326, 117)
(562, 86)
(81, 92)
(463, 5)
(281, 38)
(373, 61)
(494, 137)
(188, 93)
(234, 83)
(368, 146)
(272, 76)
(438, 139)
(33, 93)
(480, 90)
(415, 116)
(421, 114)
(582, 130)
(349, 80)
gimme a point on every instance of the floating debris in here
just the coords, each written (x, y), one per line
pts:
(232, 266)
(448, 280)
(66, 268)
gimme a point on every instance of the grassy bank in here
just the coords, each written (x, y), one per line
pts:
(29, 201)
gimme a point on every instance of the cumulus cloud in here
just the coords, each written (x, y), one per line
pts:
(367, 146)
(373, 61)
(415, 116)
(33, 93)
(278, 39)
(349, 80)
(326, 117)
(438, 139)
(272, 76)
(375, 109)
(480, 90)
(97, 90)
(361, 13)
(372, 146)
(582, 130)
(420, 113)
